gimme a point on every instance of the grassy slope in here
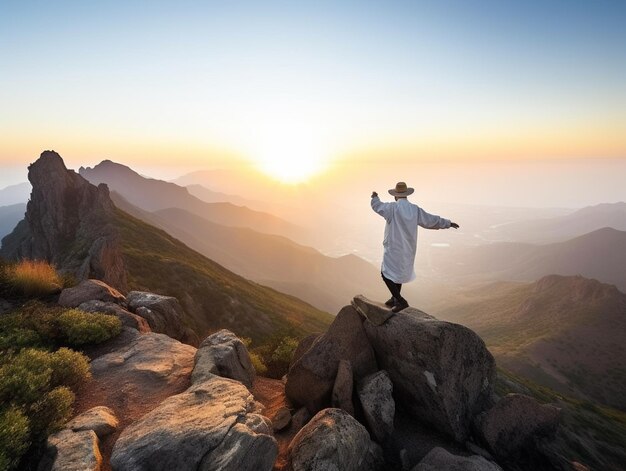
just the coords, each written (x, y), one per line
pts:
(212, 296)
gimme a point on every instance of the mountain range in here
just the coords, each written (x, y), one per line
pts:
(10, 216)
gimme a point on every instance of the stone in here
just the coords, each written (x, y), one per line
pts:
(311, 378)
(439, 459)
(100, 419)
(300, 418)
(210, 426)
(223, 354)
(513, 424)
(150, 364)
(90, 290)
(333, 440)
(303, 346)
(66, 223)
(281, 419)
(441, 372)
(343, 388)
(377, 314)
(375, 393)
(164, 313)
(128, 318)
(72, 451)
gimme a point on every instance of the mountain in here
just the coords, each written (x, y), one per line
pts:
(75, 225)
(10, 216)
(151, 195)
(600, 254)
(14, 194)
(565, 332)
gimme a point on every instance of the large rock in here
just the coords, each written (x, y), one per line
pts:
(90, 290)
(333, 440)
(375, 393)
(514, 423)
(164, 313)
(343, 388)
(439, 459)
(211, 426)
(377, 314)
(66, 224)
(223, 354)
(100, 419)
(128, 318)
(72, 451)
(311, 378)
(150, 364)
(442, 373)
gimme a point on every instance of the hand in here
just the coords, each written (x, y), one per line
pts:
(454, 224)
(374, 194)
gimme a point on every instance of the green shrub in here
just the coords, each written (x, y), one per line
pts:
(80, 328)
(51, 411)
(14, 437)
(69, 368)
(285, 350)
(258, 364)
(33, 278)
(25, 376)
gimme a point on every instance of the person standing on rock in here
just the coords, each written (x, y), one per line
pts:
(400, 242)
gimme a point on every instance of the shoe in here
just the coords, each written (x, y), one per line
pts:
(391, 302)
(400, 306)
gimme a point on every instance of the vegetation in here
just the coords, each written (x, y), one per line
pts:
(33, 278)
(272, 359)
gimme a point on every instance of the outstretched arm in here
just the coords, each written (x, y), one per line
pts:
(432, 221)
(384, 209)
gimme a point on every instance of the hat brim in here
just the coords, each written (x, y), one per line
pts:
(409, 191)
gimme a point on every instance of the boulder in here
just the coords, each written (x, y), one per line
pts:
(281, 419)
(377, 314)
(90, 290)
(303, 346)
(300, 418)
(164, 313)
(333, 440)
(72, 451)
(211, 426)
(128, 318)
(379, 408)
(513, 424)
(343, 388)
(223, 354)
(439, 459)
(311, 378)
(150, 364)
(100, 419)
(441, 372)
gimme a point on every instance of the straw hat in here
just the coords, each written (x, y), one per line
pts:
(401, 190)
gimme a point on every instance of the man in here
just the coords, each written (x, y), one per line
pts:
(400, 242)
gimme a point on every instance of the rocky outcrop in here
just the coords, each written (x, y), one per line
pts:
(311, 378)
(379, 407)
(514, 423)
(72, 451)
(164, 314)
(66, 224)
(333, 439)
(90, 290)
(441, 372)
(128, 318)
(100, 419)
(439, 459)
(211, 426)
(223, 354)
(343, 388)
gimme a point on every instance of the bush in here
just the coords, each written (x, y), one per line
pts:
(25, 376)
(285, 350)
(14, 437)
(258, 364)
(80, 328)
(33, 278)
(69, 368)
(51, 412)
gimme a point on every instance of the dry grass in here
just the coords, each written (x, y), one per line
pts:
(33, 277)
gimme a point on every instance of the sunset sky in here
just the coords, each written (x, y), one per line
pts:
(187, 85)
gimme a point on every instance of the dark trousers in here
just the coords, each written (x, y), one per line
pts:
(393, 287)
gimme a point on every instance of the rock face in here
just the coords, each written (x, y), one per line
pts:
(211, 426)
(333, 440)
(379, 407)
(375, 313)
(343, 388)
(90, 290)
(72, 451)
(65, 224)
(128, 318)
(441, 372)
(100, 419)
(223, 354)
(311, 378)
(163, 313)
(439, 459)
(514, 423)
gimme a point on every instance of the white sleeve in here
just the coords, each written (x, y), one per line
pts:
(431, 221)
(384, 209)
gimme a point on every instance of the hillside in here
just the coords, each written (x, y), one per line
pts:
(84, 233)
(563, 332)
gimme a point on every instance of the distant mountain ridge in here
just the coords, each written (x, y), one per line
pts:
(15, 194)
(10, 216)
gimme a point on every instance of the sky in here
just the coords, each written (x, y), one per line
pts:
(295, 87)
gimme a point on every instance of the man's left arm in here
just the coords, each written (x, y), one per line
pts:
(432, 221)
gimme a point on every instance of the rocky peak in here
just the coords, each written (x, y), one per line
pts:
(67, 223)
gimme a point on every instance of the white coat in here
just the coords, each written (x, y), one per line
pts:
(400, 242)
